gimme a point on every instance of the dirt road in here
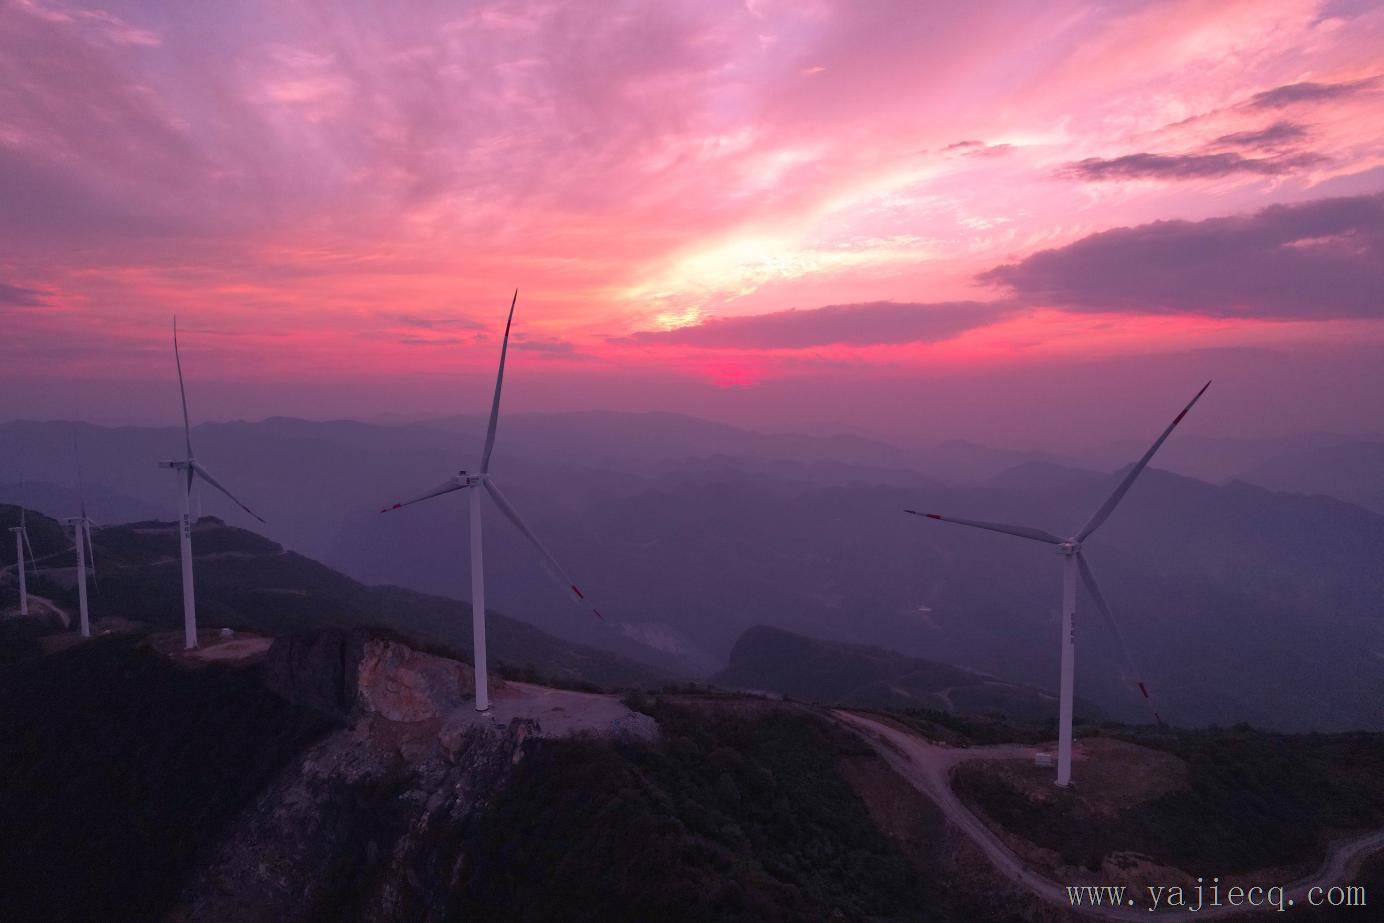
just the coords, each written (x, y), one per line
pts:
(927, 766)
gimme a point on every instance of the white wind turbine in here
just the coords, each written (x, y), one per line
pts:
(187, 470)
(81, 536)
(482, 479)
(21, 542)
(1074, 562)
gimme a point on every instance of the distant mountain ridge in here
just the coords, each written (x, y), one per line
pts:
(1215, 584)
(840, 674)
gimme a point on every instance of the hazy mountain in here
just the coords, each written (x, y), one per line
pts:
(1352, 471)
(103, 504)
(1220, 458)
(306, 476)
(1240, 603)
(841, 674)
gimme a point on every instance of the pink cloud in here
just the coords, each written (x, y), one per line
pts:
(362, 187)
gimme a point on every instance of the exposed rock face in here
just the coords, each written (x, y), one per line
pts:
(402, 684)
(356, 831)
(371, 823)
(318, 670)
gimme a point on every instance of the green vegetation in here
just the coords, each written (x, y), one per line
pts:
(736, 814)
(117, 766)
(970, 730)
(1252, 800)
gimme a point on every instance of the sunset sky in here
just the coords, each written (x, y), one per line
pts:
(877, 215)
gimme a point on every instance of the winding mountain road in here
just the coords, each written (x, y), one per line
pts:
(927, 766)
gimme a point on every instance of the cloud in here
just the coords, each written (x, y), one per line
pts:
(543, 344)
(1310, 261)
(1185, 166)
(1308, 92)
(978, 149)
(1276, 135)
(425, 322)
(433, 341)
(19, 296)
(868, 324)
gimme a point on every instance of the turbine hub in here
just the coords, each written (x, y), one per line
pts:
(1070, 547)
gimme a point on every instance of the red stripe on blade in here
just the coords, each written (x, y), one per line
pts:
(1143, 690)
(578, 592)
(933, 516)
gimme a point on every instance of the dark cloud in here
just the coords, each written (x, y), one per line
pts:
(543, 344)
(1308, 92)
(867, 324)
(1313, 260)
(1185, 166)
(977, 149)
(433, 341)
(425, 322)
(1276, 135)
(21, 297)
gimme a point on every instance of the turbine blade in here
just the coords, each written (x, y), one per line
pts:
(205, 475)
(445, 487)
(91, 552)
(1038, 535)
(1114, 499)
(33, 567)
(550, 563)
(182, 392)
(499, 380)
(1089, 578)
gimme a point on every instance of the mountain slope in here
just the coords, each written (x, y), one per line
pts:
(245, 581)
(840, 674)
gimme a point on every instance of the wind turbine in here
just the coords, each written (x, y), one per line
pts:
(188, 469)
(483, 480)
(21, 542)
(81, 536)
(1074, 562)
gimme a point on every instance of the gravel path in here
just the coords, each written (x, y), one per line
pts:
(927, 767)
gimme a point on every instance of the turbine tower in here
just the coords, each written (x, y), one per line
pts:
(483, 481)
(1074, 564)
(81, 536)
(188, 469)
(21, 542)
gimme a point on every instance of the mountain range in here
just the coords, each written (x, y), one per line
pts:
(1241, 603)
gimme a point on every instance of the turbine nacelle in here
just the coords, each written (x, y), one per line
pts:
(1068, 548)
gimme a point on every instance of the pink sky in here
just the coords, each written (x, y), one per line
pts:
(765, 211)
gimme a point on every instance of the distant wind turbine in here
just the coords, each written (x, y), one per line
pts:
(81, 536)
(1074, 562)
(21, 542)
(187, 470)
(462, 480)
